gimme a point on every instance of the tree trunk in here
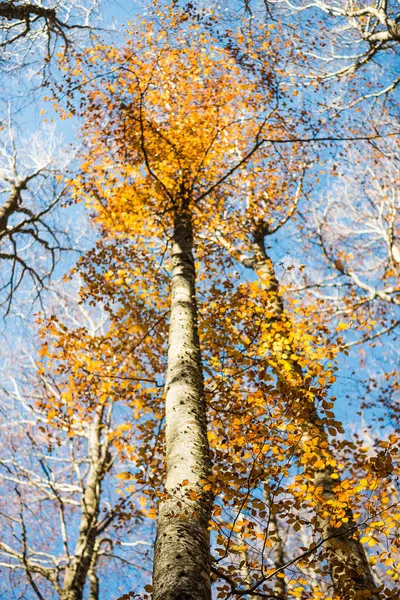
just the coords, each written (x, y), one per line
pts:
(182, 550)
(92, 574)
(83, 561)
(278, 554)
(350, 571)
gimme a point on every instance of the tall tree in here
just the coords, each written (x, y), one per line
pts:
(63, 524)
(351, 574)
(171, 162)
(184, 121)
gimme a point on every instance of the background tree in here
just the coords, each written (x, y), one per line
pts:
(31, 238)
(350, 572)
(371, 26)
(65, 528)
(31, 33)
(35, 30)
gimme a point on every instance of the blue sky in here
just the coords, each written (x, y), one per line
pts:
(285, 249)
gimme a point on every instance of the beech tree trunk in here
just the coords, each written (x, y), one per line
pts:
(350, 571)
(92, 574)
(278, 555)
(182, 550)
(83, 562)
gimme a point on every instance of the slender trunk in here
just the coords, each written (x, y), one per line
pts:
(94, 591)
(278, 555)
(182, 550)
(245, 573)
(94, 586)
(350, 571)
(81, 565)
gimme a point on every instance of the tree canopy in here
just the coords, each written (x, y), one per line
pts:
(214, 383)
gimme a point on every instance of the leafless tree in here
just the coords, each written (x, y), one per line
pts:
(336, 39)
(31, 238)
(358, 233)
(32, 29)
(64, 526)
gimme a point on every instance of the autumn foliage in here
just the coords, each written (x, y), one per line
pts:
(191, 161)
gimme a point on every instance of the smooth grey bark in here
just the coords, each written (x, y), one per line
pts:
(350, 571)
(182, 549)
